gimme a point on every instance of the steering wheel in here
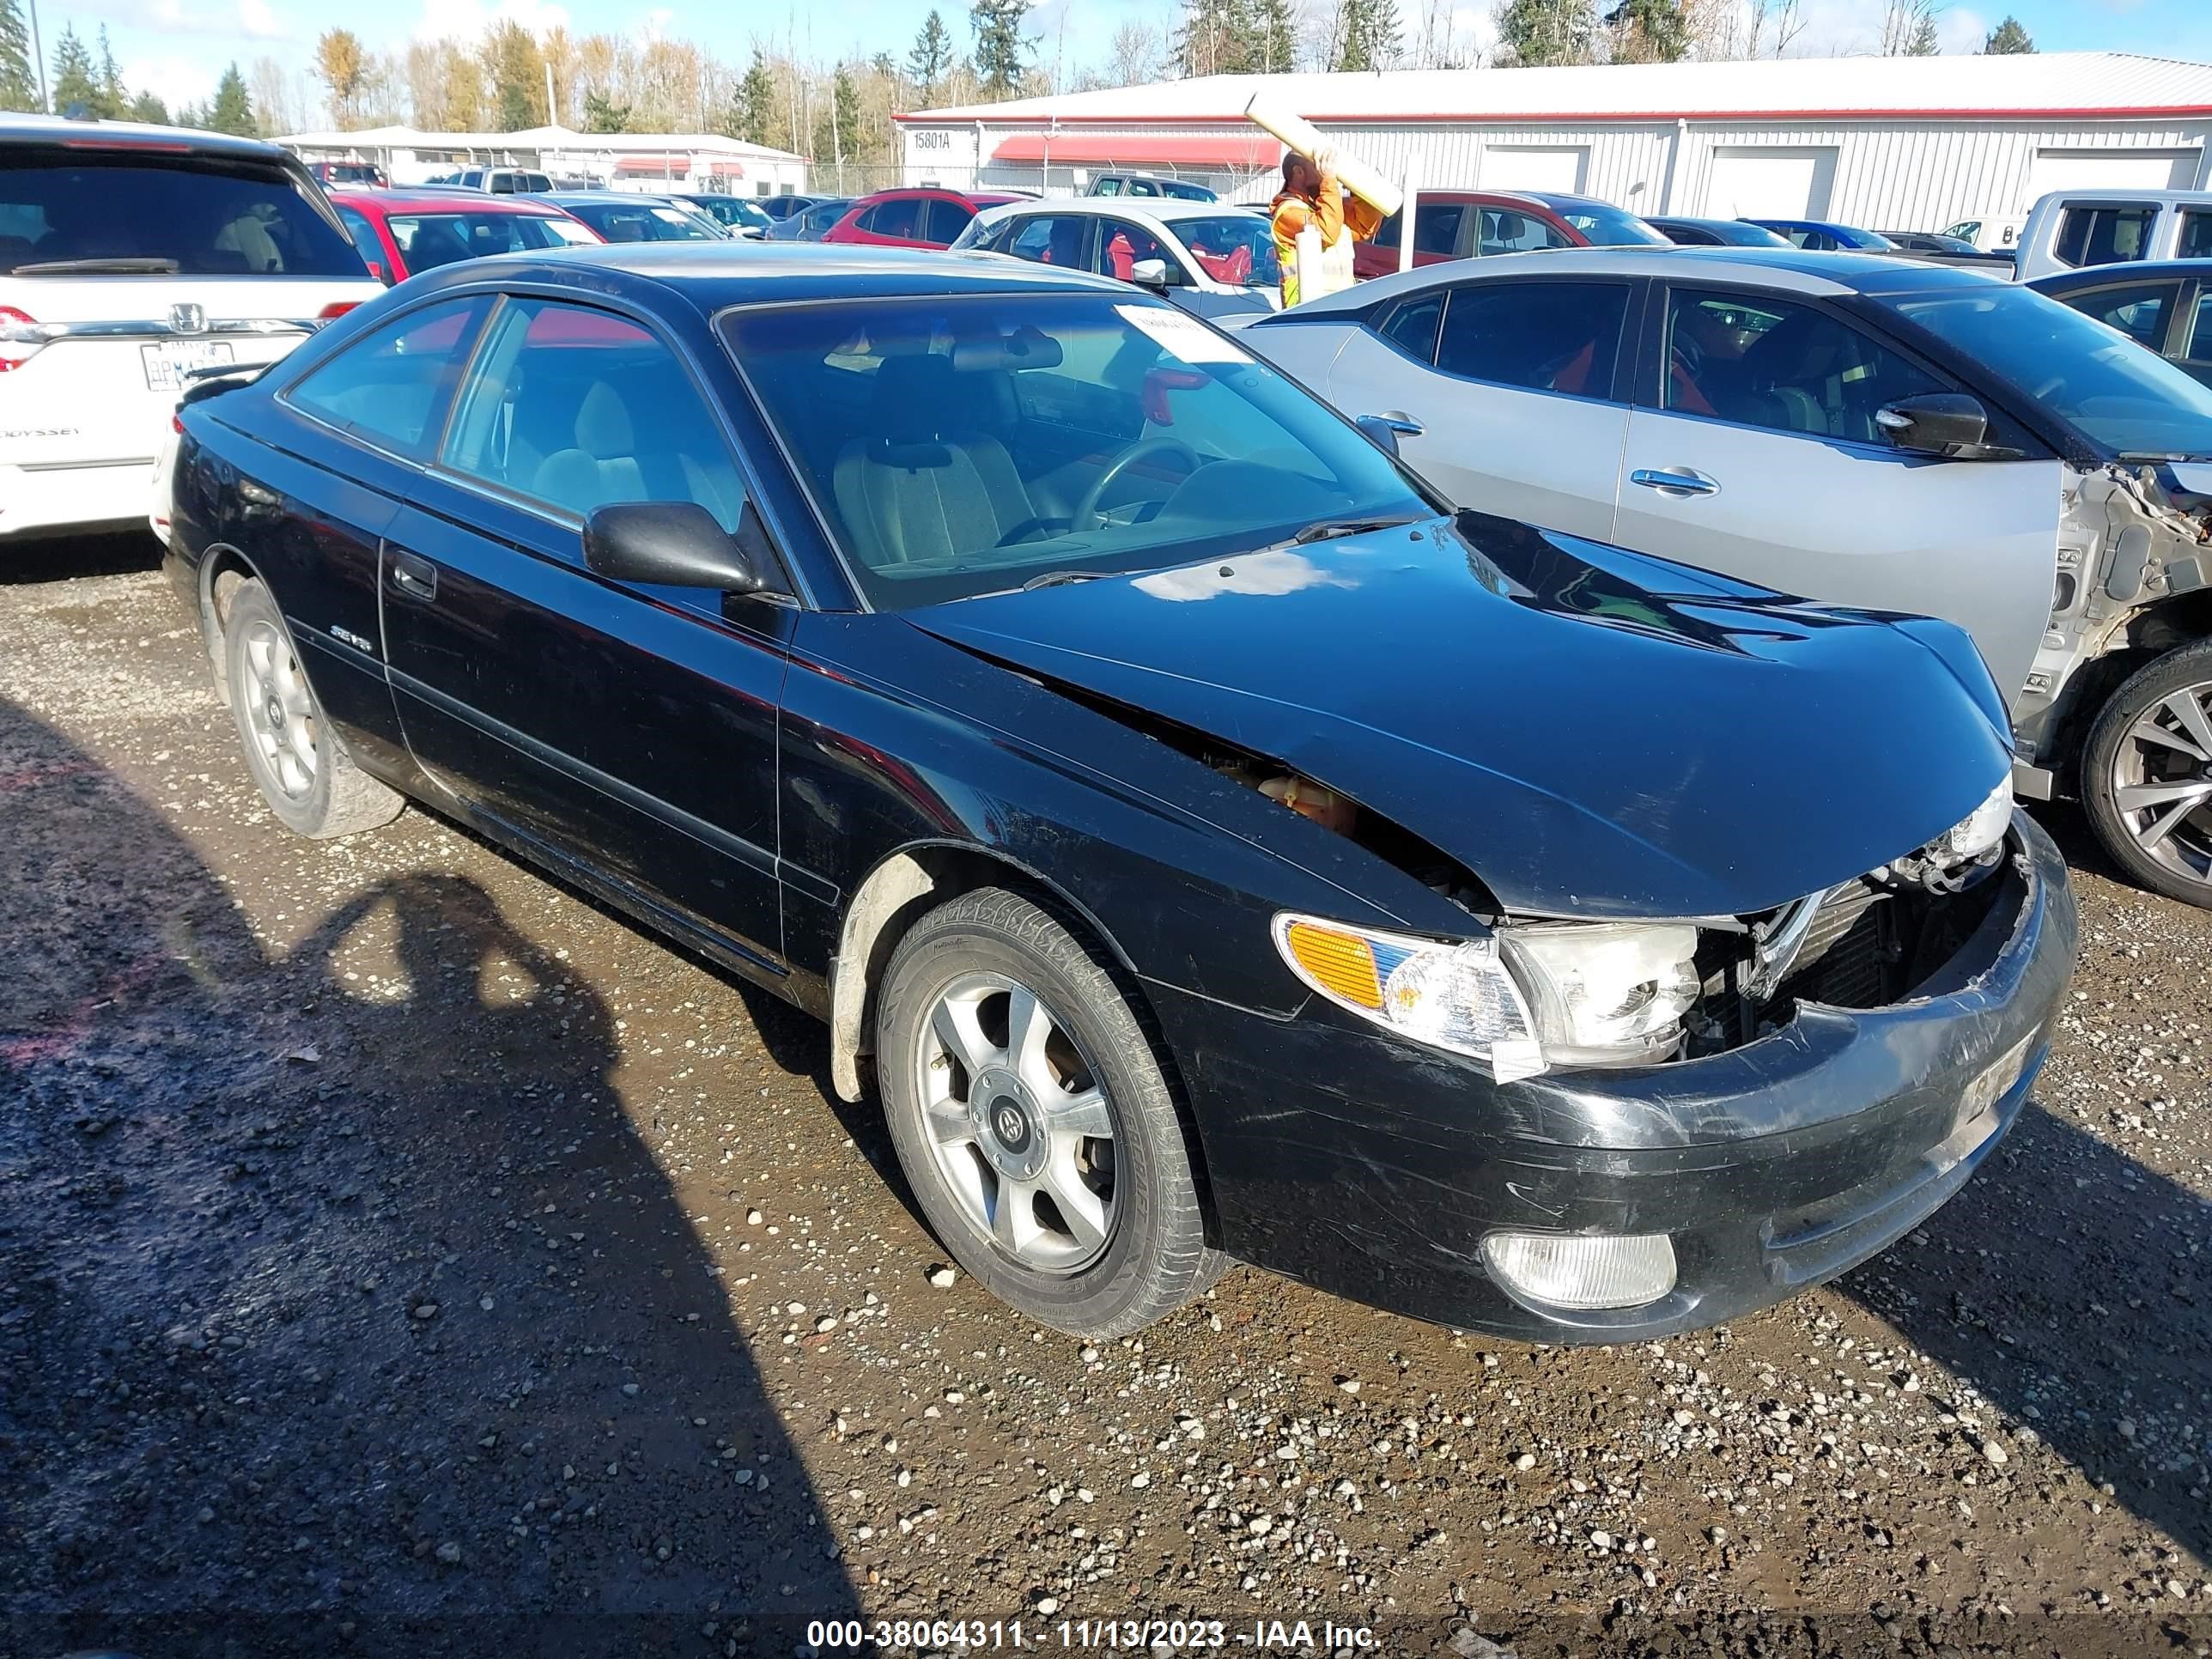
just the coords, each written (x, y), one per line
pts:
(1086, 515)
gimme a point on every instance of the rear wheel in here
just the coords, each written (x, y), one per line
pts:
(1033, 1122)
(303, 771)
(2146, 775)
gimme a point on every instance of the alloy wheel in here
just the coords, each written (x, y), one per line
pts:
(2161, 782)
(1018, 1124)
(279, 714)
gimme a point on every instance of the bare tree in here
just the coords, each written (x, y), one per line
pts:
(1138, 54)
(1908, 28)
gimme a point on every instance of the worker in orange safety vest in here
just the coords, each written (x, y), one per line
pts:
(1311, 196)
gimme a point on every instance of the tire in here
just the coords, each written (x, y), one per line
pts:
(292, 751)
(1103, 1266)
(2148, 798)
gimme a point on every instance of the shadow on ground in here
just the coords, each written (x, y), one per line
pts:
(341, 1306)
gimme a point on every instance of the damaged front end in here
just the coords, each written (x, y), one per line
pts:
(2134, 574)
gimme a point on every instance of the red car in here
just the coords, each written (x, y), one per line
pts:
(913, 218)
(400, 232)
(1465, 224)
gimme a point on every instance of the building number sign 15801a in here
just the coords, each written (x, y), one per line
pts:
(933, 141)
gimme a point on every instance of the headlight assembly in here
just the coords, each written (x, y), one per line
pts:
(1540, 995)
(1606, 993)
(1961, 852)
(1455, 996)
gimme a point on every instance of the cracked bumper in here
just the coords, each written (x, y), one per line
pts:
(1374, 1169)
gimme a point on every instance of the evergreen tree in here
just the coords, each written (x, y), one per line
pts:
(602, 115)
(517, 69)
(1366, 34)
(19, 80)
(1546, 31)
(1272, 37)
(1922, 43)
(931, 60)
(757, 102)
(75, 78)
(232, 111)
(112, 100)
(149, 108)
(999, 45)
(1649, 32)
(1212, 37)
(2007, 37)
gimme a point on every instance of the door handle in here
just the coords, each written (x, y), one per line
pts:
(1674, 481)
(414, 578)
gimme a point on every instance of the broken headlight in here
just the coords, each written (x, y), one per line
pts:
(1455, 996)
(1606, 993)
(1948, 862)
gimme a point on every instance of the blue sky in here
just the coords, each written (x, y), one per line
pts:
(178, 47)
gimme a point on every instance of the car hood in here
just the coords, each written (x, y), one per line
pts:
(1592, 732)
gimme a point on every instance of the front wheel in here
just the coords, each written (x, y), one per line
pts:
(2146, 775)
(1033, 1122)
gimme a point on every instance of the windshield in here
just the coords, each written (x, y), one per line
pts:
(1232, 248)
(644, 221)
(192, 216)
(440, 239)
(1604, 225)
(964, 446)
(2123, 398)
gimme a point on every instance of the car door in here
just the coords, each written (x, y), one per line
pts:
(1755, 450)
(1060, 240)
(628, 733)
(1513, 381)
(947, 219)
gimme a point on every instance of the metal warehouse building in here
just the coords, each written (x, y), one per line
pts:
(1910, 142)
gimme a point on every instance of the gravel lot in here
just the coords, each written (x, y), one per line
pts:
(400, 1254)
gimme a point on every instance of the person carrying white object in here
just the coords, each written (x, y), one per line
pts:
(1315, 224)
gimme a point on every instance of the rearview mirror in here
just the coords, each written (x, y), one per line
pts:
(677, 545)
(1158, 273)
(1948, 423)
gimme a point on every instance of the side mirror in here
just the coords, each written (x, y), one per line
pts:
(677, 545)
(1158, 273)
(1385, 429)
(1948, 423)
(377, 269)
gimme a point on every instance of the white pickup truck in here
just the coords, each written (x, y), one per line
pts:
(131, 257)
(2068, 229)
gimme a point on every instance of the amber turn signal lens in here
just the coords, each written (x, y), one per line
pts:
(1342, 964)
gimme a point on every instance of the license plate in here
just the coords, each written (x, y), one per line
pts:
(1994, 1081)
(167, 363)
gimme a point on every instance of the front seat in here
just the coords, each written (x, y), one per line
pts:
(602, 466)
(932, 482)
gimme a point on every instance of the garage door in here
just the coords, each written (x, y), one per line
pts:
(1749, 181)
(2112, 169)
(1529, 167)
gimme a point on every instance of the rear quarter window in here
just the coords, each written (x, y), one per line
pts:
(199, 215)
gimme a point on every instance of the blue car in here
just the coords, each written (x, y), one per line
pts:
(1213, 845)
(1825, 236)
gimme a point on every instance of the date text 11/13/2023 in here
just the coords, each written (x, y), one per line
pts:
(1140, 1635)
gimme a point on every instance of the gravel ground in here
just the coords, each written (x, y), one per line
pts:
(400, 1254)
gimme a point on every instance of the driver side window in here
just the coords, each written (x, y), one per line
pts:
(1766, 361)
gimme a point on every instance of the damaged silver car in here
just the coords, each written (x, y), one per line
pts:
(1861, 429)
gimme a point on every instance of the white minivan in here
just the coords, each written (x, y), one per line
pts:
(132, 258)
(2068, 229)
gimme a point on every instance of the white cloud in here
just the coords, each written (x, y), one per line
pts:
(174, 80)
(250, 19)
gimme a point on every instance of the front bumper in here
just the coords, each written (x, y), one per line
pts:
(1373, 1168)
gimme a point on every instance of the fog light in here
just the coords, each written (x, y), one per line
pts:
(1582, 1272)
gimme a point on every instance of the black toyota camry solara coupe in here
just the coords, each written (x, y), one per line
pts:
(1220, 848)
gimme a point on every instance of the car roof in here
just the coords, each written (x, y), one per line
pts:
(473, 201)
(712, 275)
(2144, 271)
(1163, 210)
(598, 197)
(1785, 270)
(2113, 193)
(133, 134)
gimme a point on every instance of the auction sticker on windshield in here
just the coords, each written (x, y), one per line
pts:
(1183, 337)
(167, 363)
